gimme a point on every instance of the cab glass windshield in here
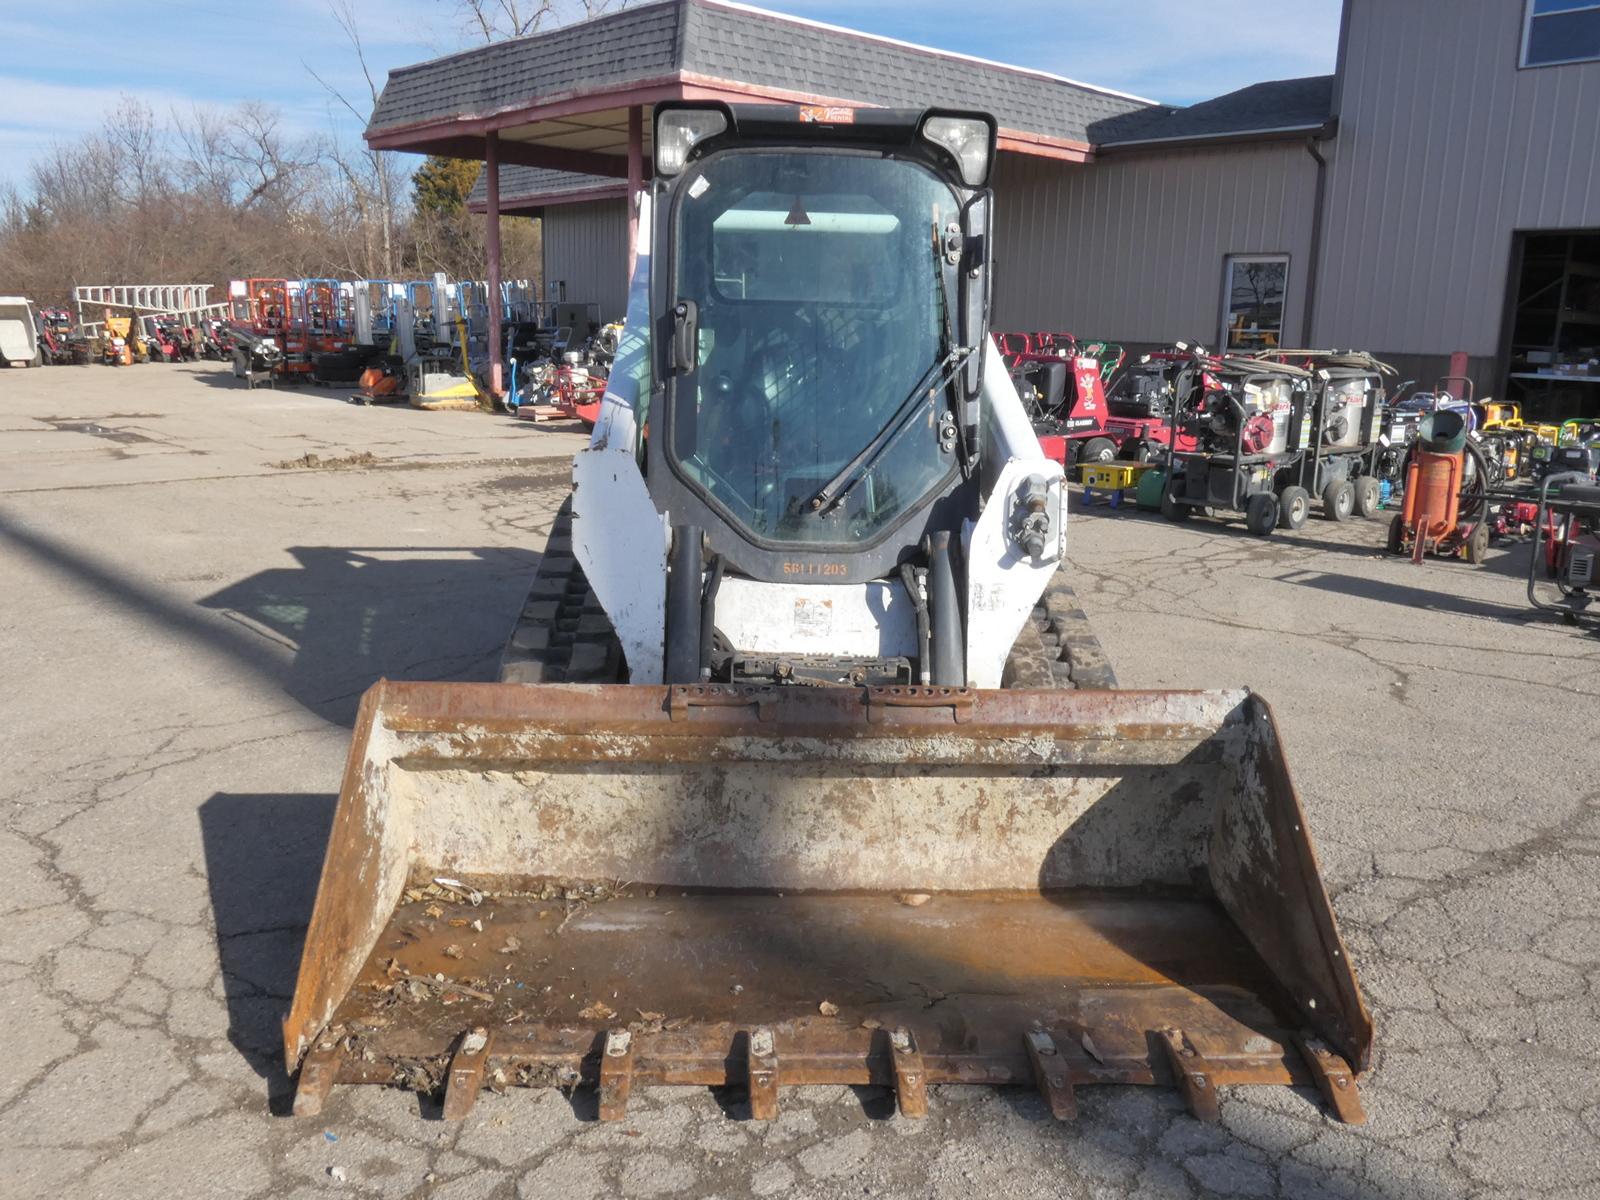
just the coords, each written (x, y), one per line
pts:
(817, 283)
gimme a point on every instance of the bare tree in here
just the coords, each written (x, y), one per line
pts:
(497, 20)
(343, 11)
(209, 194)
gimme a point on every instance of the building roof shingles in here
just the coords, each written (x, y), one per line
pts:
(741, 45)
(1281, 104)
(523, 184)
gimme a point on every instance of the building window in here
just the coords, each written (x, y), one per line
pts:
(1253, 288)
(1561, 31)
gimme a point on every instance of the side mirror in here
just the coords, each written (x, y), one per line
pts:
(685, 336)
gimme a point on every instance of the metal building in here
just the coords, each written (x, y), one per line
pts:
(1439, 193)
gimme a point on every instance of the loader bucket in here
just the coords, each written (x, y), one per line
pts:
(629, 886)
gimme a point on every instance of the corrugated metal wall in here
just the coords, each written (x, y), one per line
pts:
(1444, 149)
(586, 245)
(1132, 247)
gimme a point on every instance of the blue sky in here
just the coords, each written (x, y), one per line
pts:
(63, 64)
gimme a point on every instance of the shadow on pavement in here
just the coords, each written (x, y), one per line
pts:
(349, 617)
(1410, 597)
(354, 616)
(223, 378)
(263, 856)
(1231, 525)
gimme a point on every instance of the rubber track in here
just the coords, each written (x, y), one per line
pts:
(1057, 648)
(562, 634)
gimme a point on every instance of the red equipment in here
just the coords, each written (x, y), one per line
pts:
(573, 390)
(1064, 390)
(55, 334)
(1433, 498)
(1139, 402)
(163, 344)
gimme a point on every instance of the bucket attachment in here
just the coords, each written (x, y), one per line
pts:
(629, 886)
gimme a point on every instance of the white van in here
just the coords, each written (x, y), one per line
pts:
(19, 333)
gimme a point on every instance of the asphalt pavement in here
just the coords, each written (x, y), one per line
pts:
(199, 582)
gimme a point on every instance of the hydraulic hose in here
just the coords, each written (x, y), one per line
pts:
(944, 601)
(708, 615)
(683, 606)
(914, 589)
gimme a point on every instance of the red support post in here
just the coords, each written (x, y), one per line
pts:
(635, 179)
(491, 241)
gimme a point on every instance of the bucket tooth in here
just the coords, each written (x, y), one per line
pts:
(616, 1074)
(467, 1069)
(1334, 1078)
(1196, 1080)
(317, 1075)
(910, 1076)
(762, 1073)
(1051, 1075)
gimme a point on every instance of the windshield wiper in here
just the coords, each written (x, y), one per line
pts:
(934, 379)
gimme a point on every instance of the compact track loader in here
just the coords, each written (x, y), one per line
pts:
(805, 768)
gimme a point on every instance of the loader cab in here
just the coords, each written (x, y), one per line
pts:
(819, 319)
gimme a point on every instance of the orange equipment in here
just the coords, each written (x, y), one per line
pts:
(377, 385)
(116, 346)
(1433, 498)
(268, 301)
(325, 308)
(1432, 517)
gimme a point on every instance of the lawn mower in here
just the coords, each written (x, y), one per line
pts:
(1447, 509)
(1251, 422)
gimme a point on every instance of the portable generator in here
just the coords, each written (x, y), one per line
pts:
(1566, 543)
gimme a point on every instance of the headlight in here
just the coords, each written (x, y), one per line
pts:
(967, 138)
(679, 130)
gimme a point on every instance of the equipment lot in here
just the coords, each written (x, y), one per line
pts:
(187, 628)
